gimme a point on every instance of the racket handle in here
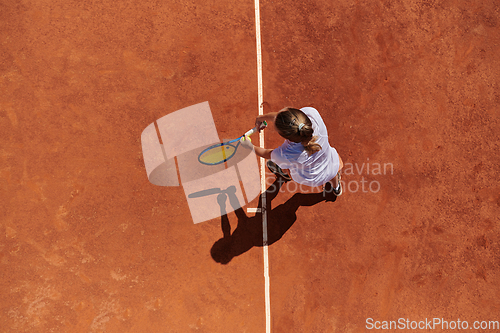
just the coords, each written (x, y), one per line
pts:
(253, 130)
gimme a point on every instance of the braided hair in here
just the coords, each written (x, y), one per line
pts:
(294, 125)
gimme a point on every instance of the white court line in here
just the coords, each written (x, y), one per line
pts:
(262, 171)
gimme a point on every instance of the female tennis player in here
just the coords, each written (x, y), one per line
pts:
(306, 152)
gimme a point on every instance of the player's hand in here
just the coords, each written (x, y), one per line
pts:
(259, 122)
(246, 142)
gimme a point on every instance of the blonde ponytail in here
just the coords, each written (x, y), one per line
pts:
(311, 146)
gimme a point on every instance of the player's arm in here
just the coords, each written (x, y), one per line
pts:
(265, 117)
(263, 152)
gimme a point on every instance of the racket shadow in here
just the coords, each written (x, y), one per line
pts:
(248, 232)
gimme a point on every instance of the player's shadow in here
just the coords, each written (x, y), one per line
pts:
(248, 232)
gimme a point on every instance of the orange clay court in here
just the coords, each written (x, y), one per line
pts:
(409, 92)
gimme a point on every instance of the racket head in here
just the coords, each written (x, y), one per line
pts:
(217, 154)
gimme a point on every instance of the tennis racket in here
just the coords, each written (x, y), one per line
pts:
(221, 152)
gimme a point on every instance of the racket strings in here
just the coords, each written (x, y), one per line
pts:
(217, 154)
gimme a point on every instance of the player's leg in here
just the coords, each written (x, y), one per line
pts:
(337, 186)
(336, 179)
(334, 185)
